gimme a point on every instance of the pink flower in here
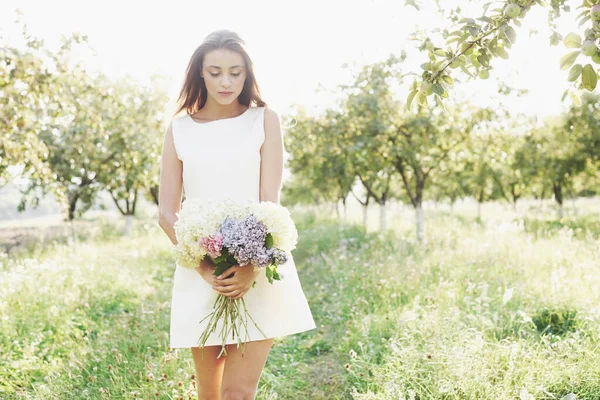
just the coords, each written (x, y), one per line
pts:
(212, 244)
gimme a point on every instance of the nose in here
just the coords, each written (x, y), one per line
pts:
(225, 82)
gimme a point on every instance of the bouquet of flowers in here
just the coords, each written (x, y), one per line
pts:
(253, 234)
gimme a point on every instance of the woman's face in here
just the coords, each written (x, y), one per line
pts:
(224, 73)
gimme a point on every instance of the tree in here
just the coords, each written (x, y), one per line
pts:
(306, 141)
(562, 158)
(370, 112)
(425, 142)
(480, 182)
(509, 169)
(28, 85)
(134, 119)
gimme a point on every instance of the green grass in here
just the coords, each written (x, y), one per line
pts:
(480, 310)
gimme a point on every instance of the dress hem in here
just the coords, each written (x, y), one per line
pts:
(181, 346)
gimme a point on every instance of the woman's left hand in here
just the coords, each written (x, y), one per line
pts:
(236, 286)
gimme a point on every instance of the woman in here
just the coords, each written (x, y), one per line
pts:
(227, 144)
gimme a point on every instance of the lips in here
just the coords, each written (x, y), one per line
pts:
(225, 93)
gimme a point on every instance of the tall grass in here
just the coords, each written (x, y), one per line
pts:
(502, 309)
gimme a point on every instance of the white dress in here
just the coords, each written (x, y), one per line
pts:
(221, 159)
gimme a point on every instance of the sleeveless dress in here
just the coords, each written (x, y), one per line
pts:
(221, 159)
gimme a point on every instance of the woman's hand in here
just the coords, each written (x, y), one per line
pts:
(237, 285)
(206, 269)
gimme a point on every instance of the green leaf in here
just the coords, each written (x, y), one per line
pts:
(276, 274)
(411, 96)
(269, 274)
(437, 65)
(564, 96)
(574, 98)
(583, 21)
(468, 21)
(466, 71)
(572, 41)
(502, 53)
(569, 59)
(422, 99)
(448, 79)
(575, 72)
(589, 77)
(438, 89)
(510, 34)
(456, 33)
(412, 3)
(440, 53)
(222, 268)
(269, 241)
(484, 60)
(440, 103)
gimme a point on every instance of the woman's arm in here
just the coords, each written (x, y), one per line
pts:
(170, 188)
(170, 194)
(271, 152)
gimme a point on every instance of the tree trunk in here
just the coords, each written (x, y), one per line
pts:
(542, 196)
(479, 209)
(337, 209)
(419, 221)
(560, 211)
(365, 208)
(558, 196)
(345, 209)
(73, 233)
(382, 218)
(154, 194)
(128, 225)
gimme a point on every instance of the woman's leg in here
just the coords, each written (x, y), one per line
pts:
(209, 372)
(241, 374)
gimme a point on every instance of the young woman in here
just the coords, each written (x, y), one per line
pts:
(226, 144)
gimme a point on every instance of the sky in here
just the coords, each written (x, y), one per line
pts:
(297, 47)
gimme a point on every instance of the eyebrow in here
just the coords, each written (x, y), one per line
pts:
(235, 66)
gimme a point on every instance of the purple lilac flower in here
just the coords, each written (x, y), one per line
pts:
(263, 258)
(245, 239)
(279, 257)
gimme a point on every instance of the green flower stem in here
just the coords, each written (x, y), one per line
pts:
(235, 318)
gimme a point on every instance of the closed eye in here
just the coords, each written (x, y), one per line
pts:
(215, 75)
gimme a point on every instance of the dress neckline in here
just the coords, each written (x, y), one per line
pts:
(216, 120)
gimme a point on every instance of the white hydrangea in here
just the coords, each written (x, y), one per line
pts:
(279, 223)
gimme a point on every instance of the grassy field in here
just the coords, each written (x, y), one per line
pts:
(501, 309)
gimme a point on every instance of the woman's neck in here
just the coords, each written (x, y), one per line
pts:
(213, 110)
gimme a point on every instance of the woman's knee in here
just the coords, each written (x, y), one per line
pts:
(208, 396)
(238, 393)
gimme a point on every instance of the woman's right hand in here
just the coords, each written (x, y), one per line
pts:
(206, 269)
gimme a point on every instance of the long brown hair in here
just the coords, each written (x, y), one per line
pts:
(193, 94)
